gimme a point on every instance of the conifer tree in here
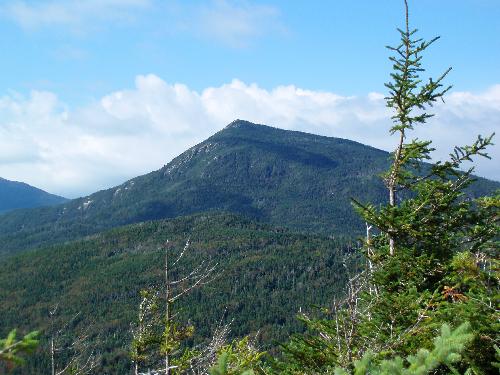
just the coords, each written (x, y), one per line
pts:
(433, 258)
(446, 352)
(434, 235)
(409, 99)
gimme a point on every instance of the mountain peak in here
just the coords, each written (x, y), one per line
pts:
(242, 123)
(244, 128)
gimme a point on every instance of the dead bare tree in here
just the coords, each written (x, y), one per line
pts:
(346, 312)
(79, 358)
(173, 289)
(207, 354)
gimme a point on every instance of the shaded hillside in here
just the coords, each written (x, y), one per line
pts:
(265, 276)
(293, 179)
(14, 195)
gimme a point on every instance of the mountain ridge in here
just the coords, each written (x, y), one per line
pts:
(16, 194)
(285, 178)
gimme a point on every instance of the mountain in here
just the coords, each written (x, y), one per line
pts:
(14, 195)
(265, 276)
(285, 178)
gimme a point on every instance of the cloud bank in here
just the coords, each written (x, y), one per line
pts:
(129, 132)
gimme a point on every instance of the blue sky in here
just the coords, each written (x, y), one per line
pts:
(320, 45)
(93, 75)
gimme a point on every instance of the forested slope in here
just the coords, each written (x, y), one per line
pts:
(264, 276)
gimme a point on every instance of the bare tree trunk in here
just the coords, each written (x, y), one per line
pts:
(52, 359)
(82, 361)
(369, 250)
(167, 315)
(392, 182)
(52, 341)
(393, 177)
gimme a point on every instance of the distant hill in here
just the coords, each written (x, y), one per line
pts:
(285, 178)
(265, 276)
(14, 195)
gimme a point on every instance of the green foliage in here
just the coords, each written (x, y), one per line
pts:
(11, 348)
(239, 358)
(444, 269)
(407, 94)
(172, 339)
(144, 335)
(496, 363)
(446, 352)
(310, 352)
(155, 336)
(222, 367)
(433, 258)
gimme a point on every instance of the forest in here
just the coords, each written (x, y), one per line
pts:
(414, 291)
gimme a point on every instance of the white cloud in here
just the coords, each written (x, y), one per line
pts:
(76, 15)
(134, 131)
